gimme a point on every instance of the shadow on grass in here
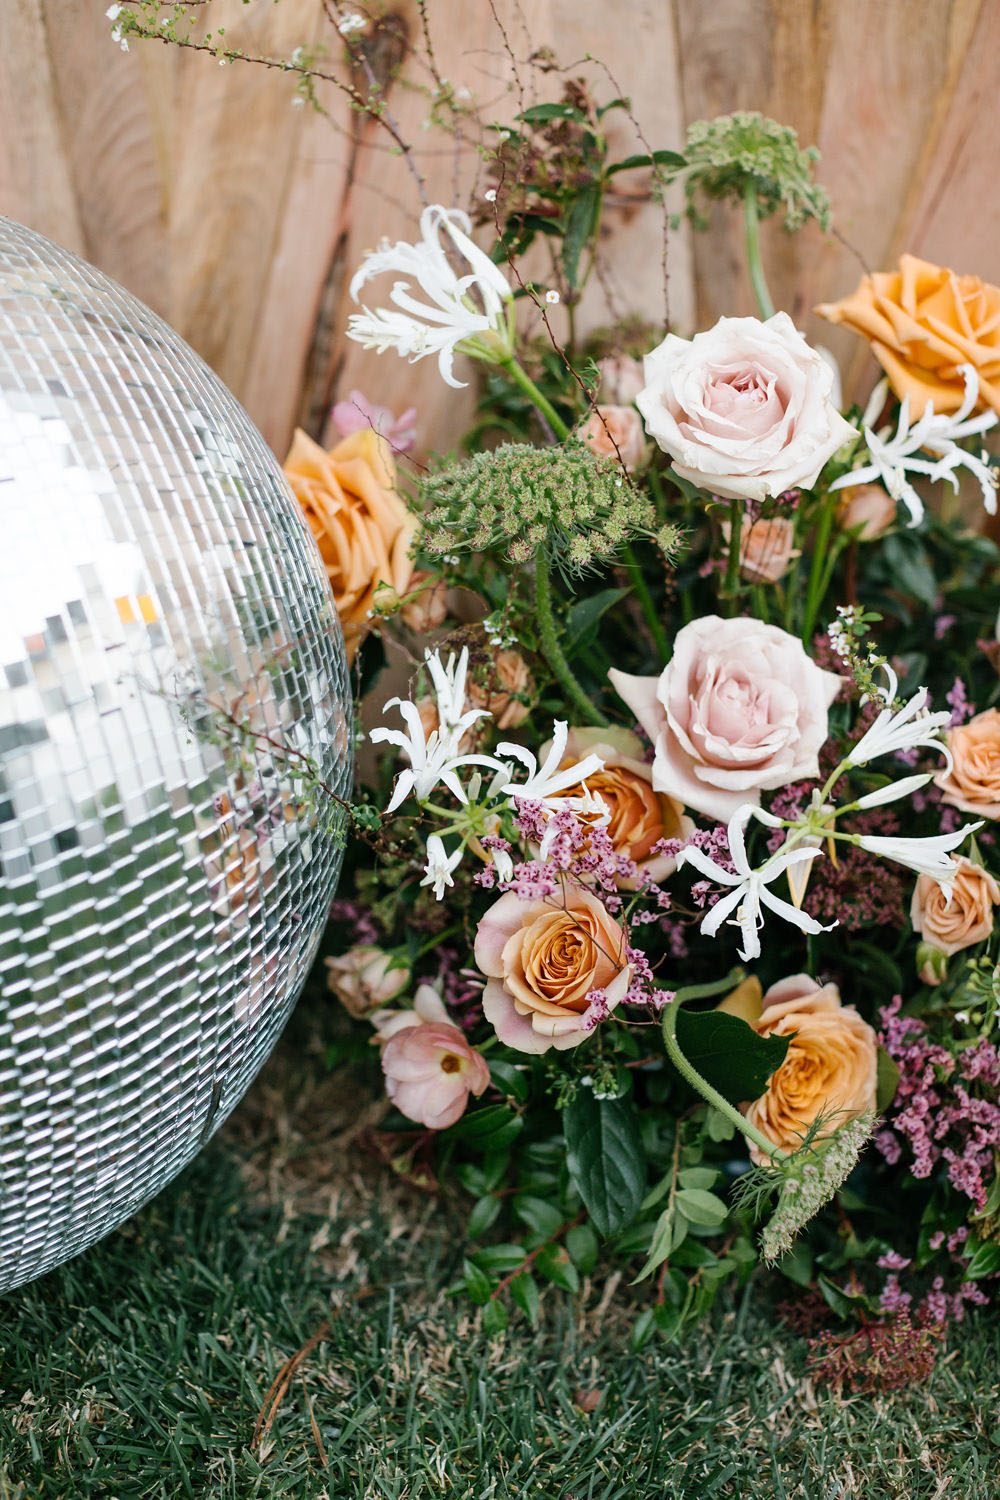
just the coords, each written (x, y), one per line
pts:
(139, 1370)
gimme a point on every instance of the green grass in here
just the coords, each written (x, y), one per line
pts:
(139, 1369)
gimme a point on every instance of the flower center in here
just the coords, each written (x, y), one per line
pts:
(450, 1063)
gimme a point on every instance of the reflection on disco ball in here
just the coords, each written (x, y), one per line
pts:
(173, 691)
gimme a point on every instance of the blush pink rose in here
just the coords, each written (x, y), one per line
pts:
(430, 1071)
(744, 409)
(542, 961)
(739, 709)
(615, 432)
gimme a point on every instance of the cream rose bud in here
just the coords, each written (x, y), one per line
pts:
(961, 922)
(542, 961)
(830, 1068)
(739, 709)
(621, 379)
(615, 432)
(869, 507)
(744, 409)
(365, 978)
(972, 782)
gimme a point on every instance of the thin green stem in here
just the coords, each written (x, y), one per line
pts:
(646, 604)
(731, 586)
(705, 1089)
(523, 379)
(551, 648)
(814, 588)
(756, 269)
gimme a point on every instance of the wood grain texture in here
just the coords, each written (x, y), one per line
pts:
(241, 218)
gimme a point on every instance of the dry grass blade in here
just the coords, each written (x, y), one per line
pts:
(279, 1388)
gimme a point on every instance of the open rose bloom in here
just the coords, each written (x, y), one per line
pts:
(430, 1071)
(744, 410)
(542, 961)
(739, 709)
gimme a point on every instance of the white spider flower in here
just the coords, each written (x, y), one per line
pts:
(547, 782)
(472, 314)
(894, 790)
(893, 458)
(437, 871)
(434, 757)
(749, 888)
(907, 729)
(926, 856)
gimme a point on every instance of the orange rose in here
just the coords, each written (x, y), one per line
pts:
(923, 323)
(972, 784)
(829, 1068)
(868, 507)
(542, 961)
(507, 683)
(765, 548)
(362, 526)
(639, 817)
(965, 920)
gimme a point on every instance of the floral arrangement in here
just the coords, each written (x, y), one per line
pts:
(669, 918)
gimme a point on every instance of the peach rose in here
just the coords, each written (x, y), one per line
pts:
(428, 1008)
(430, 1071)
(507, 683)
(739, 709)
(426, 604)
(923, 323)
(968, 919)
(765, 548)
(613, 432)
(359, 520)
(542, 961)
(744, 409)
(972, 783)
(639, 816)
(365, 978)
(869, 507)
(829, 1069)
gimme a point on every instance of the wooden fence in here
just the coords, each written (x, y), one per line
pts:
(240, 218)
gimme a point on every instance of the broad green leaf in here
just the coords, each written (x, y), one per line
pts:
(494, 1317)
(984, 1260)
(510, 1079)
(524, 1291)
(697, 1177)
(477, 1283)
(484, 1212)
(647, 159)
(499, 1260)
(554, 1264)
(491, 1128)
(728, 1053)
(537, 114)
(585, 614)
(701, 1207)
(581, 1242)
(797, 1265)
(541, 1218)
(607, 1164)
(887, 1080)
(581, 223)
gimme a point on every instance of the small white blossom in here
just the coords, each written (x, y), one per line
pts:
(907, 729)
(749, 888)
(113, 12)
(349, 23)
(548, 781)
(552, 298)
(461, 312)
(437, 871)
(491, 195)
(893, 458)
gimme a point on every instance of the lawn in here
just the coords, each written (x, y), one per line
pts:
(151, 1367)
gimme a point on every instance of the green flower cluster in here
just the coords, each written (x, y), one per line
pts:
(518, 499)
(726, 156)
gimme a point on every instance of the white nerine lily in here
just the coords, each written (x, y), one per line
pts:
(547, 782)
(908, 728)
(894, 791)
(434, 757)
(926, 856)
(471, 313)
(437, 871)
(892, 458)
(750, 887)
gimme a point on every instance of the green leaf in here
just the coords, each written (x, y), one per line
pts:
(647, 159)
(701, 1207)
(671, 1228)
(984, 1260)
(886, 1080)
(499, 1260)
(909, 568)
(581, 1242)
(607, 1164)
(797, 1265)
(537, 114)
(510, 1079)
(494, 1318)
(540, 1217)
(524, 1291)
(583, 617)
(643, 1328)
(477, 1283)
(718, 1127)
(728, 1053)
(493, 1127)
(581, 224)
(554, 1264)
(484, 1212)
(698, 1177)
(842, 1303)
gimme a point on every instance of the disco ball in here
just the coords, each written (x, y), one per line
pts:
(173, 693)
